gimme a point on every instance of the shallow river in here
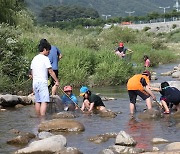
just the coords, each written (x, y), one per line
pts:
(142, 131)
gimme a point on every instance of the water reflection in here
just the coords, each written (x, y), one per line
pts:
(142, 132)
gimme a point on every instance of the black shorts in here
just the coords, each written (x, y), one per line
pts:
(168, 100)
(52, 80)
(134, 93)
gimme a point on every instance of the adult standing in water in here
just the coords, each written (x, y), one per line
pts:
(40, 67)
(139, 84)
(54, 57)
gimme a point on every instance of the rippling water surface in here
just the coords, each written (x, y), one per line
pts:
(143, 131)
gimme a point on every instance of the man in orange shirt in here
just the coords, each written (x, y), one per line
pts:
(139, 85)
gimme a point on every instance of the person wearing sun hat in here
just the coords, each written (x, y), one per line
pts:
(139, 85)
(69, 99)
(121, 50)
(91, 101)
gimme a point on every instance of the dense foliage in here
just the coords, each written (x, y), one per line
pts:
(66, 13)
(88, 53)
(107, 7)
(9, 9)
(86, 22)
(13, 64)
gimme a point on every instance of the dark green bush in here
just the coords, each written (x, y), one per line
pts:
(146, 28)
(14, 66)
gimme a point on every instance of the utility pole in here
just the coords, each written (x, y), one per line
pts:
(129, 12)
(177, 5)
(106, 16)
(164, 11)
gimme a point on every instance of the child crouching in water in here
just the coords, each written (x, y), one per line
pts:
(91, 101)
(69, 99)
(169, 95)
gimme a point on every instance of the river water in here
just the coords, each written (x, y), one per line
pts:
(142, 130)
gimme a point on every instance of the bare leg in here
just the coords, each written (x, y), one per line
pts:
(37, 108)
(43, 108)
(165, 106)
(131, 107)
(102, 109)
(148, 103)
(82, 107)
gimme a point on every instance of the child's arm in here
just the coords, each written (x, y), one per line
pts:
(155, 89)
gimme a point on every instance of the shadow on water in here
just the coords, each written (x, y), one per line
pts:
(143, 131)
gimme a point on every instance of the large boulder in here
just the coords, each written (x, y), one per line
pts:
(69, 150)
(159, 141)
(43, 135)
(176, 74)
(117, 149)
(175, 146)
(102, 137)
(125, 139)
(9, 100)
(64, 115)
(63, 125)
(150, 114)
(108, 114)
(21, 139)
(55, 105)
(176, 115)
(49, 145)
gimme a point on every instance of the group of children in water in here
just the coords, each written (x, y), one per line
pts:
(170, 96)
(138, 85)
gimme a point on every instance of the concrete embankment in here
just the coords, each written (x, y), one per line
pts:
(158, 27)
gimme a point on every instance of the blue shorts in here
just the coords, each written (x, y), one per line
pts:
(41, 92)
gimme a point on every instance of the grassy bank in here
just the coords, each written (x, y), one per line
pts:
(88, 54)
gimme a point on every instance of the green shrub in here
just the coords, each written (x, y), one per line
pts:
(174, 26)
(76, 65)
(12, 61)
(146, 28)
(111, 70)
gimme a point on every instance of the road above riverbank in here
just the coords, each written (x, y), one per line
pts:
(158, 27)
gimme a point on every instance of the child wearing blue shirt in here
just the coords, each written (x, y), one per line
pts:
(69, 99)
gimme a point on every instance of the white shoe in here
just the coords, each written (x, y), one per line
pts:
(66, 108)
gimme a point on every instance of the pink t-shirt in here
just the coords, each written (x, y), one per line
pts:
(147, 63)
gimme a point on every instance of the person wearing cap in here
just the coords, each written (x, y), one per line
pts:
(69, 99)
(40, 67)
(139, 85)
(91, 101)
(169, 96)
(121, 50)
